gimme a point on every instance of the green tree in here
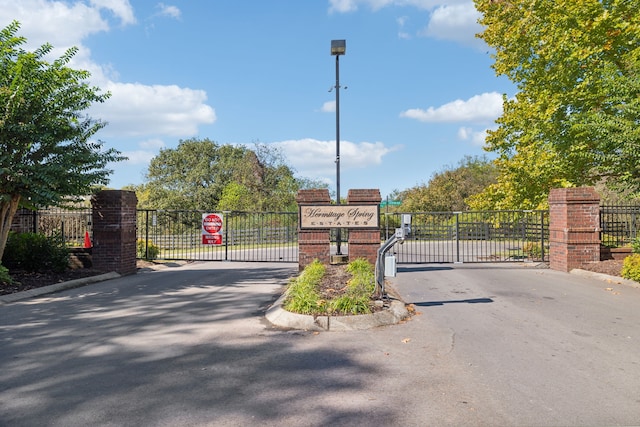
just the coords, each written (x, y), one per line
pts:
(191, 176)
(202, 174)
(47, 155)
(574, 120)
(448, 190)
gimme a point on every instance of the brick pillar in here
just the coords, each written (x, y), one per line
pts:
(364, 242)
(574, 227)
(114, 231)
(313, 244)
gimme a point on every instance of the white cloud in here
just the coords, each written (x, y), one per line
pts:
(61, 24)
(316, 159)
(447, 20)
(152, 144)
(120, 8)
(402, 34)
(479, 109)
(344, 6)
(469, 134)
(170, 11)
(138, 157)
(148, 149)
(329, 107)
(455, 22)
(135, 109)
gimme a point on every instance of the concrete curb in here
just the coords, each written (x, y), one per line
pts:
(6, 299)
(280, 317)
(605, 277)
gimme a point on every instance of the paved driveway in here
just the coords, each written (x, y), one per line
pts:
(491, 345)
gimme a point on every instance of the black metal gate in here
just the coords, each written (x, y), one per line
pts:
(436, 237)
(457, 237)
(245, 236)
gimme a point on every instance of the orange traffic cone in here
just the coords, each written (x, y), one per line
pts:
(87, 240)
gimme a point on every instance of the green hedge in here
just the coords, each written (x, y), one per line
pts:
(35, 252)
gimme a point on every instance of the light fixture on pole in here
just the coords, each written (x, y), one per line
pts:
(338, 47)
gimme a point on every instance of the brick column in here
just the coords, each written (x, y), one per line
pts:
(313, 244)
(574, 227)
(364, 242)
(114, 231)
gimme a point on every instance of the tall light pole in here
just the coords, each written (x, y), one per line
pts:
(338, 47)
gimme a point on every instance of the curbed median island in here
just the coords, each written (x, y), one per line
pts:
(335, 298)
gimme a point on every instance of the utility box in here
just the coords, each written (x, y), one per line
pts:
(390, 266)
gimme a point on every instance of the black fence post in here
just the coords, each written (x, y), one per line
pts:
(226, 236)
(457, 237)
(146, 234)
(542, 235)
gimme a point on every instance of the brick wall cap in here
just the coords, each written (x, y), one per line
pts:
(316, 195)
(574, 195)
(371, 195)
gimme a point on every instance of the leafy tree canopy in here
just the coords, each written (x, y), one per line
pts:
(575, 118)
(46, 152)
(448, 190)
(202, 174)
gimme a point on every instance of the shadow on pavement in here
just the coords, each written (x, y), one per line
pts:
(184, 351)
(462, 301)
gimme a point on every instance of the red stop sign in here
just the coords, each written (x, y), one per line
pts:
(211, 223)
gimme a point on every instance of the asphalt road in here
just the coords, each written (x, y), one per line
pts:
(188, 346)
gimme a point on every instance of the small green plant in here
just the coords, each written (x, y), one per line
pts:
(359, 289)
(302, 295)
(147, 249)
(4, 276)
(35, 252)
(635, 245)
(532, 250)
(631, 267)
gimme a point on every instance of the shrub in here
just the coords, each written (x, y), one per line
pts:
(4, 276)
(302, 295)
(35, 252)
(635, 245)
(631, 267)
(147, 249)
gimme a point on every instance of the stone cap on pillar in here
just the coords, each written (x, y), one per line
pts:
(573, 195)
(364, 196)
(317, 195)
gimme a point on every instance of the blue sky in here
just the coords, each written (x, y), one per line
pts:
(417, 91)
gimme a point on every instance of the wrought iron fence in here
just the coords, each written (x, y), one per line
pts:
(71, 225)
(245, 236)
(273, 236)
(487, 236)
(619, 224)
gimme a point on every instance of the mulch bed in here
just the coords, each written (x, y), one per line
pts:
(24, 280)
(611, 267)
